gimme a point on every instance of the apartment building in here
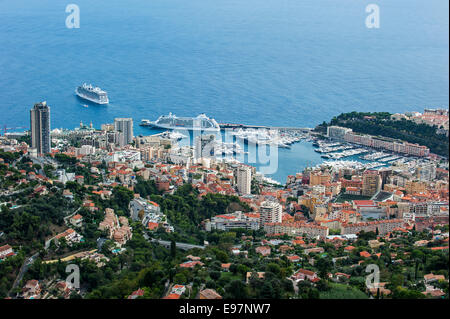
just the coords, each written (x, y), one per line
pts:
(270, 212)
(383, 226)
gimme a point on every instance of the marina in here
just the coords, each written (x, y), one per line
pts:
(227, 149)
(347, 153)
(390, 158)
(375, 156)
(267, 137)
(297, 149)
(349, 164)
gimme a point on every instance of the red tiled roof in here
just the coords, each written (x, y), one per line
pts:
(172, 296)
(364, 254)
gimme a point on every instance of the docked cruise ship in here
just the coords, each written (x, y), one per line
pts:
(93, 94)
(172, 122)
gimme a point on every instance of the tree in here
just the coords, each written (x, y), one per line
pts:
(396, 280)
(324, 266)
(233, 268)
(274, 268)
(173, 248)
(210, 284)
(242, 269)
(122, 197)
(403, 293)
(254, 280)
(236, 290)
(180, 278)
(313, 293)
(221, 255)
(266, 291)
(215, 275)
(322, 285)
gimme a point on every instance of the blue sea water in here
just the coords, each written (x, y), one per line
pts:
(266, 62)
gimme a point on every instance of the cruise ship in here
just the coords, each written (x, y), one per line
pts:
(172, 122)
(93, 94)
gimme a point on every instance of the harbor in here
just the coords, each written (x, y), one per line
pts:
(296, 147)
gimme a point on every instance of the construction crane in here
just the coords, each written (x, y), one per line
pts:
(6, 129)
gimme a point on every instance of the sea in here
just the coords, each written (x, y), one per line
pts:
(290, 63)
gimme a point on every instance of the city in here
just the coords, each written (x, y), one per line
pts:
(143, 217)
(224, 159)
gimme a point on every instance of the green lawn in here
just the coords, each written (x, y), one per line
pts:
(229, 276)
(341, 291)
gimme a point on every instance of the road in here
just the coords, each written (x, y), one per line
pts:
(72, 214)
(182, 246)
(165, 243)
(294, 284)
(42, 161)
(22, 271)
(7, 193)
(48, 241)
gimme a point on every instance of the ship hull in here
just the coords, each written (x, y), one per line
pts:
(81, 95)
(168, 127)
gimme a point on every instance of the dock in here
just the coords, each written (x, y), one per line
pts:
(233, 125)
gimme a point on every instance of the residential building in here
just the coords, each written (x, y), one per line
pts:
(383, 226)
(337, 132)
(270, 212)
(263, 250)
(371, 183)
(319, 178)
(31, 290)
(296, 229)
(40, 128)
(238, 219)
(244, 180)
(303, 274)
(124, 125)
(136, 294)
(76, 220)
(6, 251)
(209, 294)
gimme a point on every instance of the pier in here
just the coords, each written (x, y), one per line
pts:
(232, 125)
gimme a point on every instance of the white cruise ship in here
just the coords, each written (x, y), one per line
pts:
(172, 122)
(93, 94)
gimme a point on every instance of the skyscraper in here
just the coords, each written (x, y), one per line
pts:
(124, 125)
(244, 180)
(40, 128)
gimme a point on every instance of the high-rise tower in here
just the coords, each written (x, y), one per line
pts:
(40, 128)
(124, 125)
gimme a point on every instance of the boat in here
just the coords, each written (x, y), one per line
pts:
(93, 94)
(172, 122)
(85, 105)
(172, 135)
